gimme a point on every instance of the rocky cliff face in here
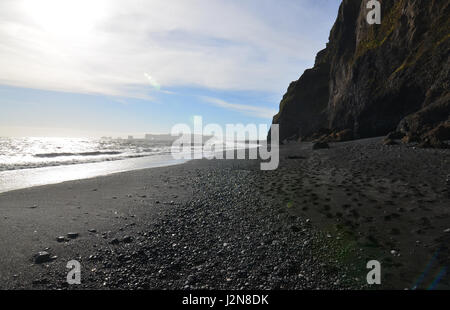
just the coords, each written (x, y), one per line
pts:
(374, 79)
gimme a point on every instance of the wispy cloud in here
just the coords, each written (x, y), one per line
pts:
(109, 46)
(260, 112)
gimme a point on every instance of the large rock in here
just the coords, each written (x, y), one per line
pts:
(372, 79)
(430, 125)
(299, 120)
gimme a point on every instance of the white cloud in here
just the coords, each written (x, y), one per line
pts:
(107, 46)
(250, 110)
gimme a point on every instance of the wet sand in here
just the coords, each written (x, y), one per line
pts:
(313, 223)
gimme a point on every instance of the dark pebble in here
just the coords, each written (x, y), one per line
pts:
(42, 257)
(72, 235)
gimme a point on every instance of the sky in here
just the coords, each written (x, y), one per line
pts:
(111, 67)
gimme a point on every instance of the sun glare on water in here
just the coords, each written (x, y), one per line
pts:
(66, 17)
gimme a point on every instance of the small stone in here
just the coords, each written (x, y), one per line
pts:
(92, 231)
(389, 142)
(127, 239)
(295, 228)
(42, 257)
(320, 145)
(114, 241)
(447, 230)
(394, 252)
(72, 235)
(61, 239)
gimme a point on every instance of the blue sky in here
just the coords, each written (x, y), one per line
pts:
(109, 67)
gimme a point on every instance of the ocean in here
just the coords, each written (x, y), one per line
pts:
(28, 162)
(26, 153)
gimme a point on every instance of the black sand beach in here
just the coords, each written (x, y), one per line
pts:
(314, 223)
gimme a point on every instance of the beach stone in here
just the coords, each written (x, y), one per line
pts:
(320, 145)
(72, 235)
(295, 228)
(127, 239)
(296, 157)
(61, 239)
(114, 241)
(42, 257)
(388, 141)
(92, 231)
(447, 230)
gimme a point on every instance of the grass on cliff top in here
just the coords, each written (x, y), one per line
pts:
(378, 34)
(439, 33)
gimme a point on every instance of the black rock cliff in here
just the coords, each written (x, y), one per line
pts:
(374, 79)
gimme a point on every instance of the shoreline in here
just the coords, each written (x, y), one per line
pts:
(11, 180)
(224, 224)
